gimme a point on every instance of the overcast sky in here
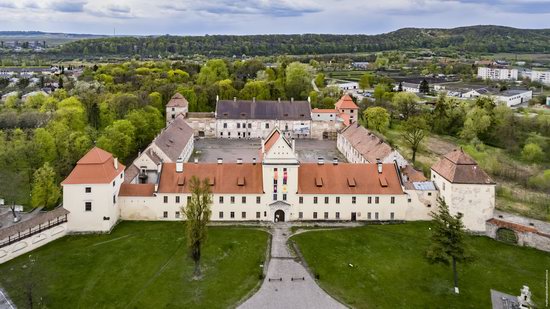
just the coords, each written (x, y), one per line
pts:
(197, 17)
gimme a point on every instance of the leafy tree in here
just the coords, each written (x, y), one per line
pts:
(298, 80)
(45, 191)
(415, 129)
(380, 92)
(477, 122)
(118, 138)
(448, 240)
(71, 112)
(147, 123)
(532, 152)
(214, 70)
(197, 215)
(406, 103)
(377, 118)
(226, 90)
(320, 80)
(366, 81)
(44, 144)
(255, 89)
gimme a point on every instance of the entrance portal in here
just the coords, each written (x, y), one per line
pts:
(279, 216)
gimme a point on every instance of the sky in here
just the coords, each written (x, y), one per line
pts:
(199, 17)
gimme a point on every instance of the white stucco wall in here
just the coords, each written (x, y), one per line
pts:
(28, 244)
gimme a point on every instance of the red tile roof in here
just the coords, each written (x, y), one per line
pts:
(271, 140)
(225, 178)
(96, 167)
(368, 144)
(346, 102)
(323, 110)
(347, 178)
(127, 189)
(458, 167)
(177, 100)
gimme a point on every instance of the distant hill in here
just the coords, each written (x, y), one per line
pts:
(482, 39)
(51, 38)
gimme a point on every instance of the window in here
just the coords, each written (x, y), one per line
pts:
(232, 200)
(429, 205)
(443, 186)
(88, 189)
(267, 125)
(369, 199)
(301, 200)
(221, 199)
(392, 200)
(165, 214)
(88, 206)
(173, 109)
(353, 199)
(429, 193)
(409, 200)
(337, 215)
(114, 182)
(232, 215)
(376, 199)
(258, 199)
(225, 125)
(220, 215)
(258, 215)
(177, 214)
(369, 216)
(376, 215)
(114, 199)
(284, 175)
(249, 126)
(165, 199)
(337, 200)
(265, 213)
(243, 215)
(228, 133)
(284, 196)
(326, 199)
(274, 196)
(243, 199)
(177, 199)
(326, 215)
(300, 215)
(238, 125)
(315, 215)
(392, 215)
(189, 199)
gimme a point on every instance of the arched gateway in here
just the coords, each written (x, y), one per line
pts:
(279, 216)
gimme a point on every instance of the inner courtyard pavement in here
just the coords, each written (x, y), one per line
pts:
(288, 284)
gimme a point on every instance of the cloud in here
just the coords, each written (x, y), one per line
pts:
(512, 6)
(258, 7)
(7, 5)
(173, 7)
(68, 7)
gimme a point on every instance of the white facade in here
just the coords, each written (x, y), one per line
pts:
(324, 115)
(475, 201)
(256, 128)
(28, 244)
(513, 97)
(538, 76)
(497, 73)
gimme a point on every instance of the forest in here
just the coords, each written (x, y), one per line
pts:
(474, 39)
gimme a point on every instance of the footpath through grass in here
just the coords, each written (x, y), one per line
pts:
(390, 271)
(139, 265)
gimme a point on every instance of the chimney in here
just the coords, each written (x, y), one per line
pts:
(293, 145)
(279, 99)
(320, 161)
(291, 100)
(253, 161)
(179, 165)
(379, 166)
(217, 98)
(335, 161)
(196, 160)
(220, 160)
(116, 163)
(159, 168)
(239, 160)
(234, 99)
(309, 99)
(263, 146)
(254, 100)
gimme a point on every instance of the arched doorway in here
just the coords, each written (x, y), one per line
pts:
(507, 235)
(279, 216)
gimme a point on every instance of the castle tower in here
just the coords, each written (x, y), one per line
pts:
(466, 188)
(177, 105)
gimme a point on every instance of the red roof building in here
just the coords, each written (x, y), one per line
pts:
(96, 167)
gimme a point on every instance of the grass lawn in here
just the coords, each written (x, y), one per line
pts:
(140, 265)
(390, 270)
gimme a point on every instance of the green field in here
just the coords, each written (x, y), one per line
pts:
(390, 271)
(346, 75)
(139, 265)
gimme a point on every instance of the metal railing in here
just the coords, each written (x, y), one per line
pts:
(33, 231)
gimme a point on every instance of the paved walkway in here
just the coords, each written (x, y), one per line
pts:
(279, 290)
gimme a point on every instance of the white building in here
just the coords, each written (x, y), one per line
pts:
(177, 105)
(497, 73)
(537, 76)
(174, 142)
(90, 192)
(466, 189)
(321, 114)
(346, 86)
(359, 145)
(513, 97)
